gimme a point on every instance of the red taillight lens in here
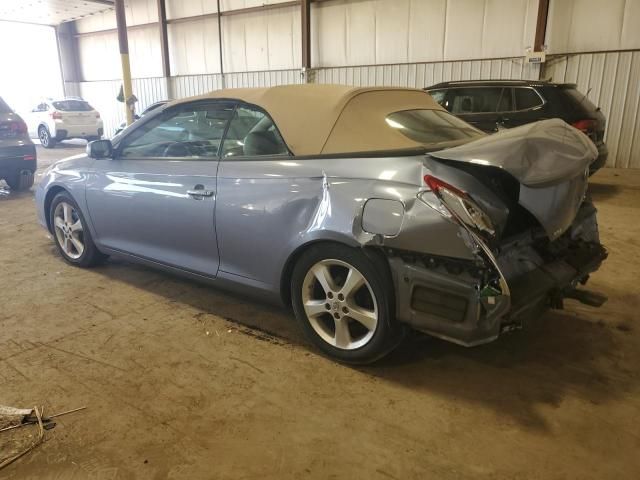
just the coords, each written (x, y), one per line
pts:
(585, 126)
(460, 205)
(97, 115)
(29, 157)
(435, 184)
(19, 127)
(15, 129)
(56, 115)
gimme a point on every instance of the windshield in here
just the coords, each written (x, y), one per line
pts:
(431, 126)
(4, 108)
(72, 106)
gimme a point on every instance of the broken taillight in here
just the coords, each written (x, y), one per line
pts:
(435, 184)
(585, 126)
(459, 204)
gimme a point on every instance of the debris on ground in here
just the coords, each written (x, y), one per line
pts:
(20, 438)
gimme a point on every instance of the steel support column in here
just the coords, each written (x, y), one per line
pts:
(224, 83)
(164, 39)
(541, 25)
(305, 16)
(123, 42)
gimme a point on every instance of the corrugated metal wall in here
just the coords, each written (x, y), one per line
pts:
(593, 26)
(101, 94)
(613, 82)
(189, 85)
(420, 75)
(414, 43)
(381, 32)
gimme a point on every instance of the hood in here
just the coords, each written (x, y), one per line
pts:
(537, 154)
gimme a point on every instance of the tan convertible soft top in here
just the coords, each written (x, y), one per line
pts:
(324, 119)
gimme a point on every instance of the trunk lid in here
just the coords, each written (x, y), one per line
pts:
(79, 118)
(548, 159)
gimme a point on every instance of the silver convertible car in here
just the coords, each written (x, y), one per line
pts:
(368, 210)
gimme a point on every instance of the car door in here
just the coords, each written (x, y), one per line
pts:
(257, 184)
(505, 110)
(156, 198)
(527, 108)
(476, 105)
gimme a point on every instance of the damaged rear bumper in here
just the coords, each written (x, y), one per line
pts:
(471, 303)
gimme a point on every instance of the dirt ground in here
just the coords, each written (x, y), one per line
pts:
(184, 381)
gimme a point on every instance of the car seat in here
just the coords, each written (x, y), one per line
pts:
(262, 143)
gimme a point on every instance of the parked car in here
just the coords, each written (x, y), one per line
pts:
(493, 104)
(147, 110)
(55, 120)
(17, 152)
(376, 212)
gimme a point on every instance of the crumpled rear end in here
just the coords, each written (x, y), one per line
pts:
(533, 235)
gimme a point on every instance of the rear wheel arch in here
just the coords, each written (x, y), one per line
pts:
(364, 342)
(375, 254)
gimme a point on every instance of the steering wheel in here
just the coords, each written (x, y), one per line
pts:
(176, 149)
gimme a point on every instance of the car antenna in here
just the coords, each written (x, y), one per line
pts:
(585, 95)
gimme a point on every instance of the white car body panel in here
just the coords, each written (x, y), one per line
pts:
(72, 124)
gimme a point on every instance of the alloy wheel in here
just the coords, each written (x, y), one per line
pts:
(69, 230)
(44, 137)
(340, 304)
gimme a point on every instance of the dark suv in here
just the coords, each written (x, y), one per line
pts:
(493, 104)
(17, 152)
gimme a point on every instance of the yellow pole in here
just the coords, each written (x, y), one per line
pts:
(123, 42)
(128, 90)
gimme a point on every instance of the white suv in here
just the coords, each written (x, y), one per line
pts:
(71, 117)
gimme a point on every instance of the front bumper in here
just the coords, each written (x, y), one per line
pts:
(471, 303)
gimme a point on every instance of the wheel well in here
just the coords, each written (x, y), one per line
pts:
(53, 191)
(376, 255)
(43, 125)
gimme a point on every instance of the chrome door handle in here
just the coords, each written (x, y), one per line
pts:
(200, 193)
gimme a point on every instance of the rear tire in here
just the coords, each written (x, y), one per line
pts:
(344, 302)
(21, 181)
(71, 233)
(46, 140)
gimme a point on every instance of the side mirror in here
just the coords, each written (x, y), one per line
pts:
(100, 149)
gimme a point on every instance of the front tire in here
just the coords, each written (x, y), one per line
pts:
(46, 140)
(21, 181)
(343, 300)
(71, 233)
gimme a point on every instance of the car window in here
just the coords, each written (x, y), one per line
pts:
(72, 106)
(506, 101)
(42, 107)
(577, 99)
(431, 126)
(439, 96)
(475, 100)
(152, 107)
(252, 133)
(192, 132)
(527, 98)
